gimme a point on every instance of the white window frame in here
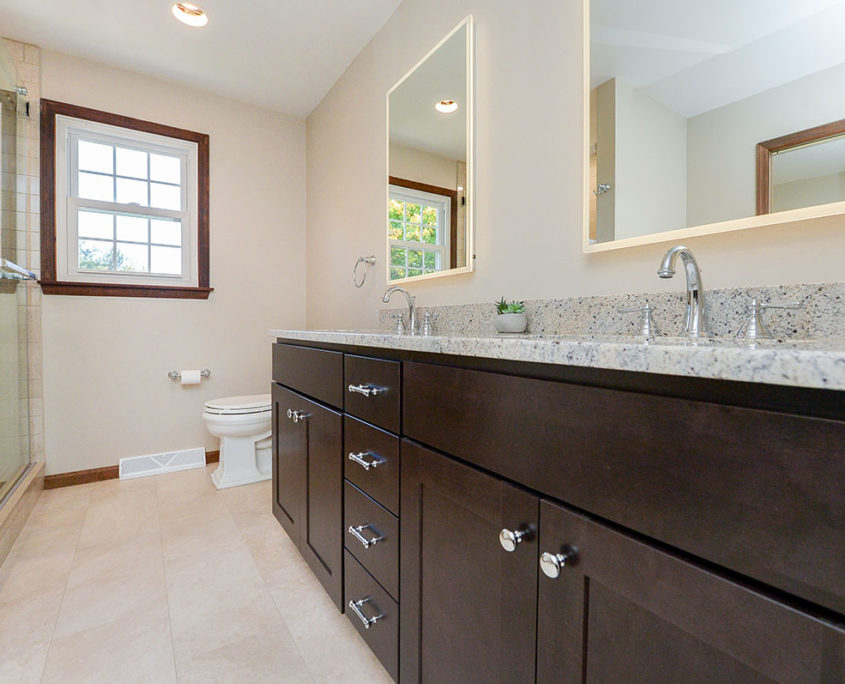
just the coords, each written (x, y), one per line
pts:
(68, 132)
(442, 247)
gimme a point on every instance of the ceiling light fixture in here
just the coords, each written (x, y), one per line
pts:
(189, 14)
(446, 106)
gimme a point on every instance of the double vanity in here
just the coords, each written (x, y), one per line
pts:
(562, 509)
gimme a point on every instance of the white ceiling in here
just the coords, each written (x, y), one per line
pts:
(413, 120)
(280, 54)
(694, 56)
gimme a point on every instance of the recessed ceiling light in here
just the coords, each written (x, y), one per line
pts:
(189, 14)
(446, 106)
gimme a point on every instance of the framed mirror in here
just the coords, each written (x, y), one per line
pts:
(679, 96)
(430, 165)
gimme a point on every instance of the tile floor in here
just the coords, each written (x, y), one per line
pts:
(165, 579)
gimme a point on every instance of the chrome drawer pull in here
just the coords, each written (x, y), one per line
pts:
(355, 531)
(366, 390)
(356, 608)
(510, 539)
(366, 465)
(297, 416)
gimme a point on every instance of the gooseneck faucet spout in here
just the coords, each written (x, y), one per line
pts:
(412, 311)
(696, 323)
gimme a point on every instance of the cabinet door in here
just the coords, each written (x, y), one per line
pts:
(469, 608)
(289, 464)
(308, 482)
(622, 611)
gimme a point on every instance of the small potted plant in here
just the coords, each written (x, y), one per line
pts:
(511, 318)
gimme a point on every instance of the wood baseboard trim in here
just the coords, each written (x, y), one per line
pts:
(99, 474)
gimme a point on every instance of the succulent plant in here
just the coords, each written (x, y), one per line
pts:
(505, 307)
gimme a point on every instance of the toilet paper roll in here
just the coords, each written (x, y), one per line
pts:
(191, 377)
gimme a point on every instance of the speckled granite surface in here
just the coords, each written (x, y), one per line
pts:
(822, 315)
(805, 363)
(589, 331)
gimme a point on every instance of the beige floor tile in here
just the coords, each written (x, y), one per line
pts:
(249, 498)
(48, 536)
(270, 546)
(23, 576)
(96, 604)
(138, 557)
(136, 648)
(186, 484)
(118, 517)
(29, 620)
(346, 659)
(180, 539)
(24, 665)
(271, 658)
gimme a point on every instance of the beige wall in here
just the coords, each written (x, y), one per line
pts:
(106, 360)
(528, 176)
(423, 167)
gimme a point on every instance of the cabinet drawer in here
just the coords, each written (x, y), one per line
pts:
(315, 372)
(365, 594)
(375, 390)
(380, 452)
(755, 491)
(369, 520)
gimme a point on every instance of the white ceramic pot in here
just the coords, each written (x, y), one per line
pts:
(511, 322)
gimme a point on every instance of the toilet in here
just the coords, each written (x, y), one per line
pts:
(243, 426)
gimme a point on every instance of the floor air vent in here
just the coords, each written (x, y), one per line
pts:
(157, 464)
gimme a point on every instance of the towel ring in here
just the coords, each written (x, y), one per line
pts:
(367, 261)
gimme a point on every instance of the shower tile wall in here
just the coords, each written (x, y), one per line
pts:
(27, 60)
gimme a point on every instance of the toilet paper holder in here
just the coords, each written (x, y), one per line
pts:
(176, 375)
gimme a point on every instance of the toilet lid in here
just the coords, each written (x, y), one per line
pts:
(253, 403)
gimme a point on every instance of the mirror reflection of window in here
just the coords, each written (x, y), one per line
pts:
(430, 112)
(680, 97)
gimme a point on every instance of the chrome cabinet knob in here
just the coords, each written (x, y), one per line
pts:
(297, 416)
(290, 414)
(552, 563)
(510, 539)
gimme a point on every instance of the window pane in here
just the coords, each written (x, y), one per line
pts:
(429, 216)
(94, 224)
(413, 212)
(429, 235)
(165, 169)
(131, 257)
(95, 255)
(132, 228)
(132, 192)
(165, 196)
(395, 210)
(131, 163)
(92, 186)
(394, 230)
(412, 233)
(415, 258)
(166, 232)
(166, 260)
(414, 272)
(430, 262)
(396, 272)
(397, 256)
(95, 157)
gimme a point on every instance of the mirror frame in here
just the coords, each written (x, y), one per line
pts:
(470, 156)
(767, 149)
(757, 221)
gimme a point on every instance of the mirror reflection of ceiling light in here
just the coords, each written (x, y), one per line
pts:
(189, 14)
(446, 106)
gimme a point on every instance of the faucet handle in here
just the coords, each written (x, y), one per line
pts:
(647, 327)
(399, 323)
(427, 327)
(755, 327)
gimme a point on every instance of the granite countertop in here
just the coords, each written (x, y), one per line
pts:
(800, 363)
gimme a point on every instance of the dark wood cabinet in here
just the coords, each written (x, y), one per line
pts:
(307, 483)
(468, 611)
(621, 610)
(699, 540)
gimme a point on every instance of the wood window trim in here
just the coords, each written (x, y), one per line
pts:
(50, 109)
(453, 218)
(767, 148)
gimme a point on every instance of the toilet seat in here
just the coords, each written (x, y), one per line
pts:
(241, 405)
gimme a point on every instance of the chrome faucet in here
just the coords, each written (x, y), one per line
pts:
(412, 311)
(696, 323)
